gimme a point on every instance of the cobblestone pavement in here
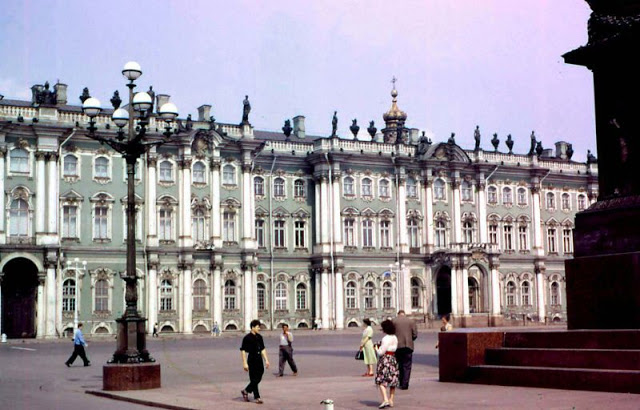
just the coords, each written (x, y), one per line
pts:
(201, 372)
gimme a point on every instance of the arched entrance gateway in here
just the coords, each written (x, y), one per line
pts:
(443, 291)
(19, 291)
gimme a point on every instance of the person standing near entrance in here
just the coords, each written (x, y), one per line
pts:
(78, 348)
(286, 351)
(406, 332)
(253, 353)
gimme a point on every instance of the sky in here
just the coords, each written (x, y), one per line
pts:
(458, 63)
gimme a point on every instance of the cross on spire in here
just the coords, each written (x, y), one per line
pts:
(393, 81)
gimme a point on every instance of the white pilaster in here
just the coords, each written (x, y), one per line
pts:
(246, 293)
(495, 291)
(317, 205)
(3, 238)
(324, 215)
(186, 239)
(187, 308)
(454, 291)
(540, 293)
(406, 289)
(465, 291)
(428, 215)
(457, 222)
(402, 214)
(536, 223)
(152, 299)
(52, 198)
(335, 215)
(151, 182)
(217, 296)
(40, 329)
(215, 205)
(248, 217)
(325, 298)
(339, 300)
(50, 329)
(482, 209)
(41, 196)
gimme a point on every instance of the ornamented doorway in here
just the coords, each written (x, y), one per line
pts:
(19, 290)
(443, 291)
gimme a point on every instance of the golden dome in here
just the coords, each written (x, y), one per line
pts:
(394, 114)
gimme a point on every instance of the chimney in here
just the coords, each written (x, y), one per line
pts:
(204, 112)
(298, 126)
(61, 93)
(161, 99)
(561, 149)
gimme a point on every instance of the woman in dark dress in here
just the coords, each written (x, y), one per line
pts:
(387, 374)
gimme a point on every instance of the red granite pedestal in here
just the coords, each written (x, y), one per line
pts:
(140, 376)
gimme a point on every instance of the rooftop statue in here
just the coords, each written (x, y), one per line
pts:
(532, 148)
(354, 128)
(372, 129)
(423, 144)
(476, 136)
(246, 109)
(334, 124)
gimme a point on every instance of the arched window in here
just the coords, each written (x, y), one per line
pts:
(298, 188)
(555, 293)
(281, 296)
(261, 296)
(347, 186)
(412, 188)
(507, 197)
(198, 224)
(582, 202)
(70, 167)
(366, 187)
(522, 196)
(415, 294)
(166, 295)
(566, 202)
(101, 167)
(166, 171)
(492, 195)
(19, 218)
(551, 200)
(439, 191)
(440, 234)
(350, 295)
(278, 187)
(467, 232)
(199, 295)
(511, 293)
(229, 175)
(387, 295)
(413, 232)
(101, 296)
(467, 191)
(69, 295)
(229, 295)
(525, 289)
(369, 295)
(301, 297)
(384, 189)
(19, 160)
(258, 186)
(199, 175)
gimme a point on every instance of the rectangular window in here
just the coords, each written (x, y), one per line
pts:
(351, 296)
(367, 233)
(493, 234)
(260, 233)
(467, 192)
(164, 232)
(261, 297)
(551, 240)
(229, 226)
(508, 237)
(413, 231)
(385, 234)
(386, 296)
(299, 234)
(101, 222)
(523, 237)
(567, 240)
(278, 234)
(198, 225)
(69, 221)
(349, 237)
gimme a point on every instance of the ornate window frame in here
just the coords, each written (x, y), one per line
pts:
(167, 180)
(204, 206)
(108, 176)
(167, 203)
(71, 199)
(102, 200)
(71, 177)
(350, 193)
(205, 173)
(108, 276)
(20, 145)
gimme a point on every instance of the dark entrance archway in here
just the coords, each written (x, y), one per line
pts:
(19, 290)
(443, 290)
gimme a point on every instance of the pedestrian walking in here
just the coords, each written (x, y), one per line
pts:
(387, 374)
(253, 354)
(78, 348)
(366, 345)
(286, 352)
(215, 330)
(155, 330)
(406, 332)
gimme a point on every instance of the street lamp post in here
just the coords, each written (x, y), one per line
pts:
(75, 265)
(397, 269)
(131, 345)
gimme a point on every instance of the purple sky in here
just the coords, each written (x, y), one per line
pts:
(493, 63)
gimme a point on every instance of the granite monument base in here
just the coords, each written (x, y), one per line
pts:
(140, 376)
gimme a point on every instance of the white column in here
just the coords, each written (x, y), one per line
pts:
(52, 197)
(2, 197)
(40, 330)
(215, 205)
(465, 291)
(335, 214)
(246, 295)
(186, 300)
(536, 223)
(151, 182)
(457, 228)
(339, 300)
(482, 210)
(317, 280)
(317, 206)
(50, 330)
(402, 214)
(428, 215)
(495, 290)
(454, 291)
(185, 204)
(406, 289)
(41, 195)
(540, 291)
(217, 296)
(324, 215)
(247, 216)
(152, 299)
(325, 298)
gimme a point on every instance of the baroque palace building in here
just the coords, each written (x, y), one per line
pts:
(234, 223)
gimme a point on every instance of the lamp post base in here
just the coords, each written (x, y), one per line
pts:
(139, 376)
(131, 341)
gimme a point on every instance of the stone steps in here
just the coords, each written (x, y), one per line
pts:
(568, 358)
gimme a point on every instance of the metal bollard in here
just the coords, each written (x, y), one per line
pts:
(4, 338)
(328, 404)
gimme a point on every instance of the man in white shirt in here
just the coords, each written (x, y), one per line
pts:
(286, 351)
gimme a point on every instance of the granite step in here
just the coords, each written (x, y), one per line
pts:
(621, 381)
(620, 359)
(575, 339)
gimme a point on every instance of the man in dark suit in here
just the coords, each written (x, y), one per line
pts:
(406, 332)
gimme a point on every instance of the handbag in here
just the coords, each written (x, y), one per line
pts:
(360, 355)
